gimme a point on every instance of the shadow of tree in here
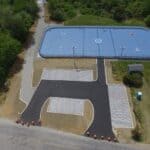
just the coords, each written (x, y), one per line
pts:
(14, 69)
(17, 66)
(30, 41)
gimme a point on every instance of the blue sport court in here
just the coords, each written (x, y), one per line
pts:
(96, 41)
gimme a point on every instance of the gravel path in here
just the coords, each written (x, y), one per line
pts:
(27, 90)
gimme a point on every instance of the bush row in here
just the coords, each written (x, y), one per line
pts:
(16, 17)
(119, 10)
(134, 79)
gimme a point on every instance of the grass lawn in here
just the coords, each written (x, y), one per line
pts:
(141, 109)
(90, 20)
(96, 20)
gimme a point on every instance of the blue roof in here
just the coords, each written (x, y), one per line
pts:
(96, 41)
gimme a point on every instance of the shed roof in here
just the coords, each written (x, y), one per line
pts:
(135, 67)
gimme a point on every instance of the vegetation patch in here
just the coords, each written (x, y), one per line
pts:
(140, 108)
(97, 20)
(147, 20)
(134, 79)
(9, 48)
(137, 134)
(90, 20)
(17, 16)
(118, 10)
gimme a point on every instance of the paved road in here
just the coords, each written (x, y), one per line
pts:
(96, 91)
(14, 137)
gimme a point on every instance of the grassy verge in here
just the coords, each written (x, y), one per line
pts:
(2, 97)
(46, 13)
(96, 20)
(90, 20)
(141, 109)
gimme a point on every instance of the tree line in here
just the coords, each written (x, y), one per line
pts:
(16, 17)
(118, 10)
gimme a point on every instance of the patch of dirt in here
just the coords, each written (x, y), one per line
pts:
(125, 136)
(12, 105)
(68, 123)
(62, 63)
(2, 97)
(108, 67)
(46, 14)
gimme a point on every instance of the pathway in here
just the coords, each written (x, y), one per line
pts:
(96, 91)
(27, 90)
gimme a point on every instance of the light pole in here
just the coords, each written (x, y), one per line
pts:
(122, 50)
(74, 57)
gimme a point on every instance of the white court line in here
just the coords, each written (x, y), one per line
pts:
(105, 72)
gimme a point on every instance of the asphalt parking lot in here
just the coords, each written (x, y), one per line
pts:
(96, 91)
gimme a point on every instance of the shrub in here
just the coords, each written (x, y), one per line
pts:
(138, 113)
(85, 10)
(137, 133)
(69, 11)
(9, 48)
(119, 14)
(135, 9)
(133, 80)
(58, 15)
(2, 75)
(147, 20)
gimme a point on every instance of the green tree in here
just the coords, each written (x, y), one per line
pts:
(17, 27)
(147, 20)
(6, 14)
(26, 19)
(119, 13)
(134, 79)
(58, 15)
(136, 9)
(29, 6)
(16, 17)
(137, 133)
(9, 48)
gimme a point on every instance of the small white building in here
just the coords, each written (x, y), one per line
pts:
(135, 68)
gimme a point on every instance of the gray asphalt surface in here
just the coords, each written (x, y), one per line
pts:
(96, 91)
(14, 137)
